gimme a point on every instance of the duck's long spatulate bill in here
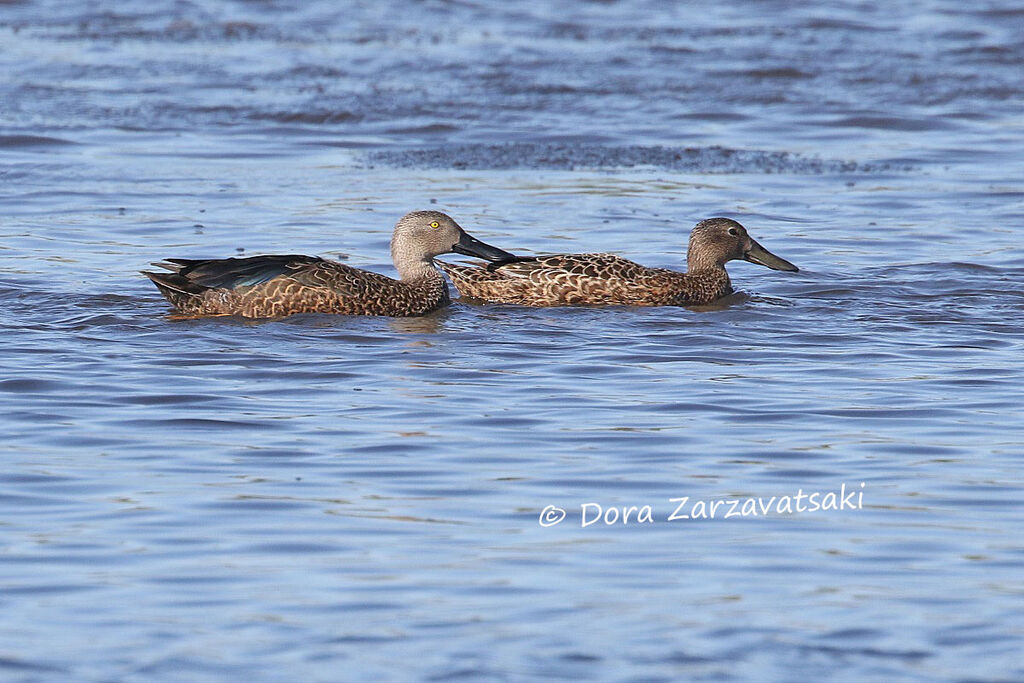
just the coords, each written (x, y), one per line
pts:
(761, 256)
(471, 246)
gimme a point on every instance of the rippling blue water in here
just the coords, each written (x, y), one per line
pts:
(333, 498)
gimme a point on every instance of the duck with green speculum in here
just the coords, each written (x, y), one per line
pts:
(596, 279)
(281, 285)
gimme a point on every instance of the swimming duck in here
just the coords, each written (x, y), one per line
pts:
(568, 279)
(280, 285)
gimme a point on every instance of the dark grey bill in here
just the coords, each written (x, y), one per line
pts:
(471, 246)
(761, 256)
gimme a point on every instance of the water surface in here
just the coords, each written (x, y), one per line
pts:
(329, 497)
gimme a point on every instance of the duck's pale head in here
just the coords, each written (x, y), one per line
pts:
(716, 241)
(421, 235)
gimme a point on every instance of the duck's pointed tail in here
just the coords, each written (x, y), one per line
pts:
(180, 291)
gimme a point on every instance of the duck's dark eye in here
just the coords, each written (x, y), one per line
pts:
(733, 231)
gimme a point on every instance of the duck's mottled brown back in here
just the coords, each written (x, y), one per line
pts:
(275, 286)
(581, 279)
(568, 279)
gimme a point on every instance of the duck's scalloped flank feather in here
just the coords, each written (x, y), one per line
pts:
(601, 279)
(276, 286)
(594, 279)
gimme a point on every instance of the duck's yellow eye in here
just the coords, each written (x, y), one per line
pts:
(435, 224)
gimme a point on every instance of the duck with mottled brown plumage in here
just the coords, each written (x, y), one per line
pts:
(579, 279)
(276, 286)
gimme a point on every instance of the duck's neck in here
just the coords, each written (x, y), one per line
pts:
(411, 263)
(711, 277)
(698, 263)
(424, 283)
(418, 269)
(419, 276)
